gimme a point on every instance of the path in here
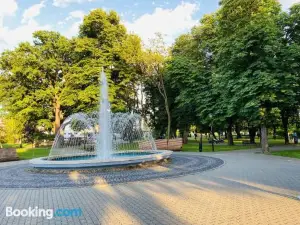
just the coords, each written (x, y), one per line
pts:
(249, 189)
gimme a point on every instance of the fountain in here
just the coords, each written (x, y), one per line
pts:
(104, 147)
(102, 139)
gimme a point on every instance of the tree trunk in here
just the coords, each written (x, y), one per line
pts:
(285, 123)
(162, 90)
(252, 133)
(238, 131)
(57, 116)
(185, 137)
(264, 139)
(169, 120)
(229, 134)
(213, 133)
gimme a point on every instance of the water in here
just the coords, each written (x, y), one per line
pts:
(101, 134)
(114, 155)
(104, 140)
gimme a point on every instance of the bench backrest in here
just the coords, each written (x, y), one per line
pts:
(163, 144)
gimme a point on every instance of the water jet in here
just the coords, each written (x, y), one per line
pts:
(102, 139)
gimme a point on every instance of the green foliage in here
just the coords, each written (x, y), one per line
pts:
(45, 82)
(190, 71)
(240, 64)
(13, 129)
(152, 65)
(238, 68)
(247, 49)
(107, 45)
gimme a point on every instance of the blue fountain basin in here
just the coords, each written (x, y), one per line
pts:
(91, 161)
(94, 157)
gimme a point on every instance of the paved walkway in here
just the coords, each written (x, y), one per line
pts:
(249, 189)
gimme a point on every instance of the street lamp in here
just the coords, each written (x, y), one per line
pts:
(200, 143)
(211, 132)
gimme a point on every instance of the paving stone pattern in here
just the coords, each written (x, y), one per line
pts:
(23, 176)
(248, 189)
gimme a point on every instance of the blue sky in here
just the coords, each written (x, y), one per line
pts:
(19, 18)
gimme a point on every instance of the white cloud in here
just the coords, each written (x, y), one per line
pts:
(169, 22)
(65, 3)
(78, 14)
(10, 38)
(288, 3)
(32, 12)
(74, 28)
(7, 8)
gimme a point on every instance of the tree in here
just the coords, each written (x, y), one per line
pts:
(55, 59)
(14, 130)
(55, 77)
(288, 97)
(249, 41)
(153, 66)
(104, 42)
(21, 83)
(191, 72)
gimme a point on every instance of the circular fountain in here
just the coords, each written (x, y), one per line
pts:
(102, 139)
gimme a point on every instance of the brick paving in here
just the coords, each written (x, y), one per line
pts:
(248, 189)
(22, 175)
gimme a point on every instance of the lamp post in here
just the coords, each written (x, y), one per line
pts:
(200, 143)
(211, 132)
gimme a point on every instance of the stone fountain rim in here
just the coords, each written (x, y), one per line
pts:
(156, 155)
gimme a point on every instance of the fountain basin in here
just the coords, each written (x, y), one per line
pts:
(123, 158)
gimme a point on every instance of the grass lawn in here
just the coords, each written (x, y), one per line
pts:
(193, 146)
(27, 152)
(30, 153)
(7, 145)
(289, 153)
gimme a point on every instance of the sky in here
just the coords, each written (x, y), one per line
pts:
(20, 18)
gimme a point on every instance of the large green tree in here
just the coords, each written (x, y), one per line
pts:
(152, 66)
(55, 77)
(289, 65)
(32, 81)
(248, 46)
(191, 72)
(103, 42)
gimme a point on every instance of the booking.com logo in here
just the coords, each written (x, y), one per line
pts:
(39, 212)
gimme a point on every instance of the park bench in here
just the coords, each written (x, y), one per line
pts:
(162, 144)
(216, 141)
(247, 142)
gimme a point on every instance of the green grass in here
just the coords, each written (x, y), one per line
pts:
(289, 153)
(27, 152)
(8, 145)
(193, 146)
(278, 141)
(30, 153)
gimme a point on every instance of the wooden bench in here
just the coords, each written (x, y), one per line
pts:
(247, 142)
(162, 144)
